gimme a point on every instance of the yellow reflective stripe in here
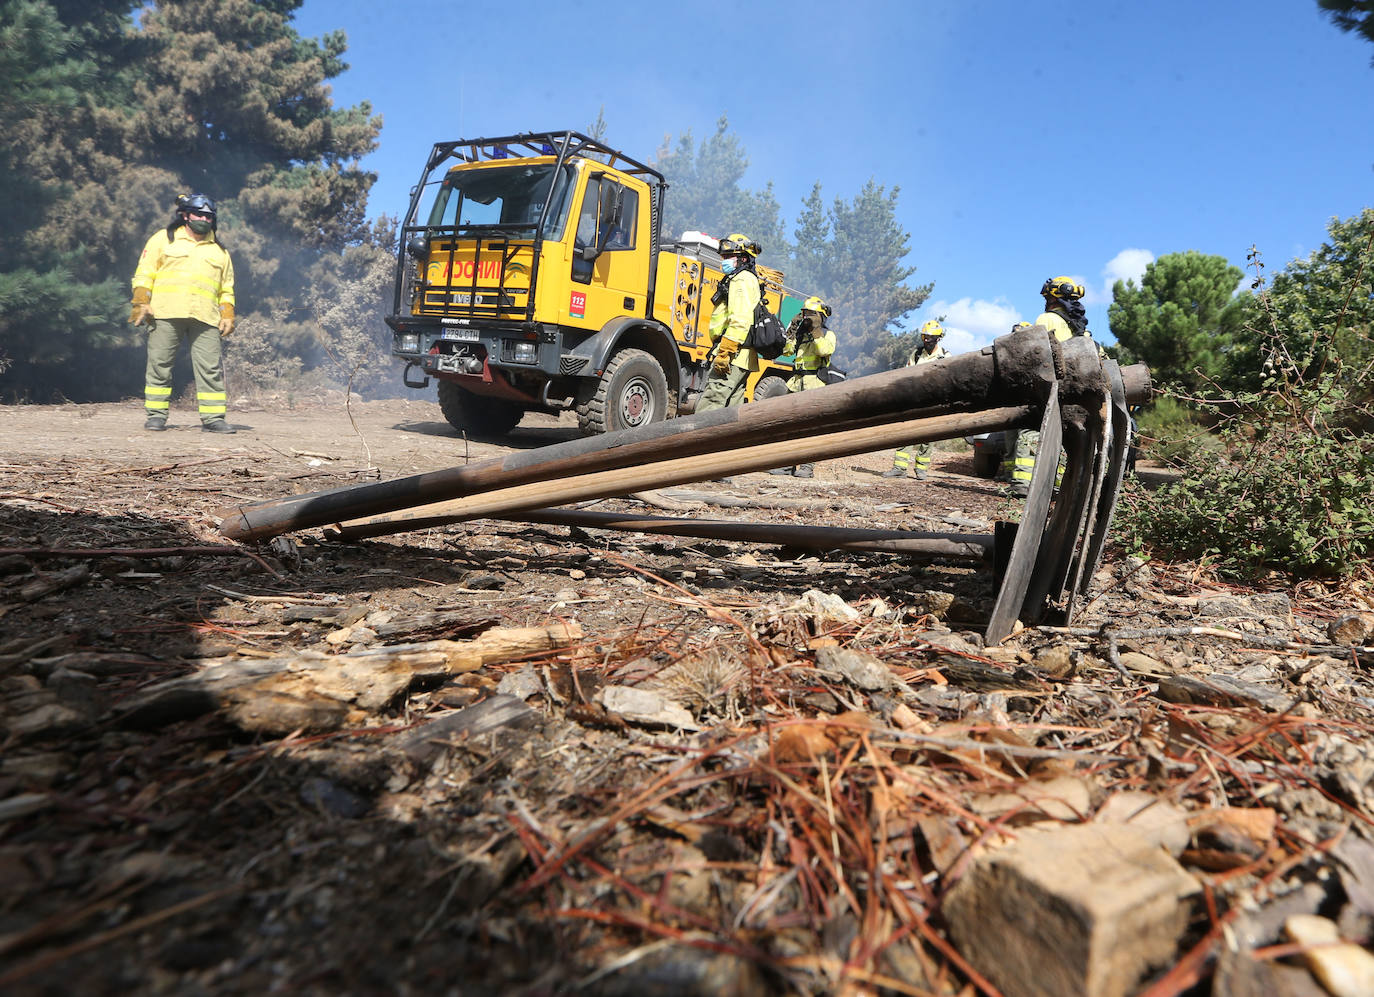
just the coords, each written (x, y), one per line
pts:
(922, 462)
(153, 406)
(187, 284)
(211, 396)
(219, 409)
(154, 391)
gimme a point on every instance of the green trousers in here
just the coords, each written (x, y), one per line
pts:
(915, 455)
(164, 340)
(723, 390)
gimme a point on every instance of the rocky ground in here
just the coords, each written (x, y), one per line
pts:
(503, 758)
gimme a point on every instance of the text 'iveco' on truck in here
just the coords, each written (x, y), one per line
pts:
(531, 277)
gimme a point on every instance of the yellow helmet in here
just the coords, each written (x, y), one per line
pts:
(1062, 288)
(815, 304)
(932, 329)
(736, 245)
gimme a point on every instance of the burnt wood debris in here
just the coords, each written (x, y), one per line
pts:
(1075, 397)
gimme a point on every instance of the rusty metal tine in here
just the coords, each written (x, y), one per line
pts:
(1066, 522)
(1121, 444)
(1100, 474)
(1101, 429)
(1025, 549)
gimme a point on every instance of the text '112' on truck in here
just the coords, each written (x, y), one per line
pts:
(531, 277)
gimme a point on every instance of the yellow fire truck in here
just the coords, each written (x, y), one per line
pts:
(532, 277)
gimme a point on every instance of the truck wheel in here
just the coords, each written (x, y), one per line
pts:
(632, 392)
(985, 464)
(477, 416)
(769, 387)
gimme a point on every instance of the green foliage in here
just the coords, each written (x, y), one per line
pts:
(1170, 430)
(1182, 320)
(1355, 16)
(1320, 320)
(1290, 488)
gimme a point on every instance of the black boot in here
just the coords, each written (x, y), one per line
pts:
(156, 423)
(894, 472)
(802, 471)
(782, 470)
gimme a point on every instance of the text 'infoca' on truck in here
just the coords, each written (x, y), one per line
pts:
(531, 277)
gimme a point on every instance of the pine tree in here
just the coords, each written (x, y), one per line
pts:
(705, 195)
(1183, 319)
(861, 275)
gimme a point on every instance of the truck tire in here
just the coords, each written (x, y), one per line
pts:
(475, 415)
(632, 392)
(985, 464)
(769, 387)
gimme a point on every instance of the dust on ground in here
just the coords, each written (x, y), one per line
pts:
(188, 851)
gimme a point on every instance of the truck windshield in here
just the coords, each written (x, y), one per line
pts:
(503, 195)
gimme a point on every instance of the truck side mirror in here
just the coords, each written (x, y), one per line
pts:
(417, 247)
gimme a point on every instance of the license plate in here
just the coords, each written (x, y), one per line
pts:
(463, 335)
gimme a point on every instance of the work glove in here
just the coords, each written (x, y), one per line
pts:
(725, 352)
(140, 312)
(226, 320)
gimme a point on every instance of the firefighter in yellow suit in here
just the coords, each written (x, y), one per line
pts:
(732, 316)
(811, 343)
(1065, 318)
(184, 291)
(917, 455)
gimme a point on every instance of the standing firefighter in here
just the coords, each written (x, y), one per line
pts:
(184, 292)
(811, 343)
(1065, 318)
(917, 455)
(732, 316)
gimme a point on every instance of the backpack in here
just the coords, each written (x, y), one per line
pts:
(767, 336)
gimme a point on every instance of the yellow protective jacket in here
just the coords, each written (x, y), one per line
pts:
(186, 278)
(1054, 322)
(736, 318)
(919, 356)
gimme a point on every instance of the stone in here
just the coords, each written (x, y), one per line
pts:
(1080, 911)
(863, 671)
(1345, 969)
(1353, 629)
(645, 707)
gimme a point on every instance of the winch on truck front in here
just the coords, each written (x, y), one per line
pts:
(531, 277)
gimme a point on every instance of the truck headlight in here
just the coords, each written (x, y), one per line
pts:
(408, 342)
(524, 352)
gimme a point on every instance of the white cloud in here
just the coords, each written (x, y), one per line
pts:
(972, 324)
(1129, 264)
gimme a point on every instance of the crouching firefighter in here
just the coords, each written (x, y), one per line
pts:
(917, 455)
(811, 343)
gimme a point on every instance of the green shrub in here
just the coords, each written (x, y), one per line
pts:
(1169, 430)
(1291, 487)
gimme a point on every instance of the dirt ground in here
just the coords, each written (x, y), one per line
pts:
(409, 843)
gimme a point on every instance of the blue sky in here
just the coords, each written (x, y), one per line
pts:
(1027, 139)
